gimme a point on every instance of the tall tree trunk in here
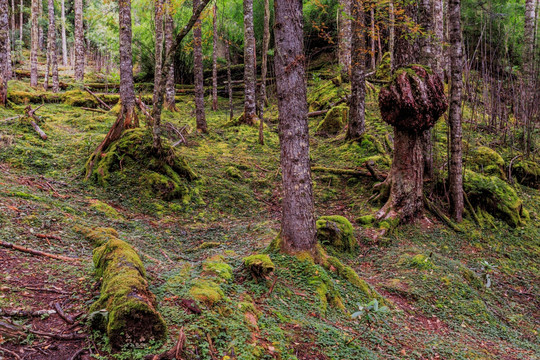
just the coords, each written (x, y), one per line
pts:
(9, 69)
(64, 39)
(51, 50)
(229, 84)
(392, 33)
(344, 38)
(373, 37)
(127, 117)
(40, 28)
(264, 53)
(4, 51)
(79, 40)
(214, 61)
(297, 218)
(438, 32)
(158, 32)
(357, 125)
(455, 173)
(249, 65)
(529, 72)
(35, 44)
(170, 91)
(21, 16)
(13, 27)
(199, 74)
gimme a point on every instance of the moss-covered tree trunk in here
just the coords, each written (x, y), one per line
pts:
(158, 48)
(64, 37)
(79, 40)
(34, 44)
(345, 36)
(249, 66)
(530, 73)
(170, 91)
(199, 74)
(455, 173)
(358, 82)
(264, 53)
(4, 51)
(214, 59)
(297, 218)
(52, 62)
(229, 85)
(127, 117)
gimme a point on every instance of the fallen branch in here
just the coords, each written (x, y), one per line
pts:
(371, 169)
(36, 252)
(31, 114)
(97, 98)
(77, 353)
(25, 313)
(510, 180)
(438, 212)
(10, 352)
(67, 337)
(62, 314)
(44, 236)
(144, 109)
(341, 171)
(322, 112)
(175, 352)
(101, 111)
(11, 118)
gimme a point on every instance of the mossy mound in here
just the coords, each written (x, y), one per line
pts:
(336, 231)
(259, 265)
(527, 173)
(334, 121)
(131, 307)
(20, 92)
(495, 196)
(384, 70)
(217, 266)
(487, 161)
(206, 291)
(132, 160)
(324, 94)
(79, 98)
(418, 261)
(105, 209)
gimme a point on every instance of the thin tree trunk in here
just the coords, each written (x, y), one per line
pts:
(13, 27)
(438, 31)
(357, 125)
(373, 35)
(79, 41)
(158, 32)
(214, 61)
(4, 51)
(345, 36)
(51, 49)
(392, 33)
(21, 19)
(455, 173)
(9, 72)
(264, 54)
(298, 222)
(249, 65)
(229, 84)
(35, 44)
(529, 72)
(170, 91)
(199, 74)
(64, 39)
(40, 28)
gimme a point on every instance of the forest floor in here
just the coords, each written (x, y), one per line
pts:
(432, 278)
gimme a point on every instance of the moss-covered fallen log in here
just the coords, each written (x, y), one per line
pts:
(126, 309)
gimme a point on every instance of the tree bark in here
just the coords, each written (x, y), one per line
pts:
(392, 33)
(357, 125)
(529, 72)
(51, 50)
(21, 17)
(35, 44)
(9, 69)
(345, 36)
(158, 32)
(13, 27)
(4, 51)
(170, 91)
(229, 82)
(214, 61)
(79, 41)
(264, 54)
(199, 74)
(455, 173)
(249, 65)
(298, 222)
(373, 36)
(438, 32)
(40, 28)
(64, 39)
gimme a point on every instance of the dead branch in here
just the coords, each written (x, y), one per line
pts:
(10, 352)
(25, 313)
(67, 337)
(175, 352)
(97, 98)
(438, 212)
(344, 172)
(144, 109)
(101, 111)
(31, 115)
(11, 118)
(36, 252)
(45, 236)
(77, 353)
(322, 112)
(62, 314)
(371, 169)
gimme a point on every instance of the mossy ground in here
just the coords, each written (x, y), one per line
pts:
(431, 276)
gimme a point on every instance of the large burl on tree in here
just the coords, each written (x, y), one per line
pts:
(412, 102)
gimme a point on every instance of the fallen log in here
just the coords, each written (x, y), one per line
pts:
(130, 314)
(25, 313)
(97, 98)
(63, 315)
(438, 212)
(36, 252)
(31, 115)
(343, 171)
(322, 112)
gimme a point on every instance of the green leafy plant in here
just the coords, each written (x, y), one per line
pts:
(488, 269)
(371, 313)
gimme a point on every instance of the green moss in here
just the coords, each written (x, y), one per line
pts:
(366, 219)
(384, 70)
(233, 172)
(334, 121)
(487, 161)
(206, 291)
(216, 265)
(105, 209)
(527, 172)
(79, 98)
(495, 196)
(418, 261)
(259, 265)
(336, 231)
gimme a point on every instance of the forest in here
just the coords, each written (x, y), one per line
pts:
(269, 179)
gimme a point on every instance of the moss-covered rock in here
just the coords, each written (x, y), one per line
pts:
(206, 291)
(487, 161)
(334, 121)
(336, 231)
(217, 266)
(418, 261)
(366, 219)
(527, 172)
(105, 209)
(495, 196)
(132, 160)
(259, 265)
(131, 307)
